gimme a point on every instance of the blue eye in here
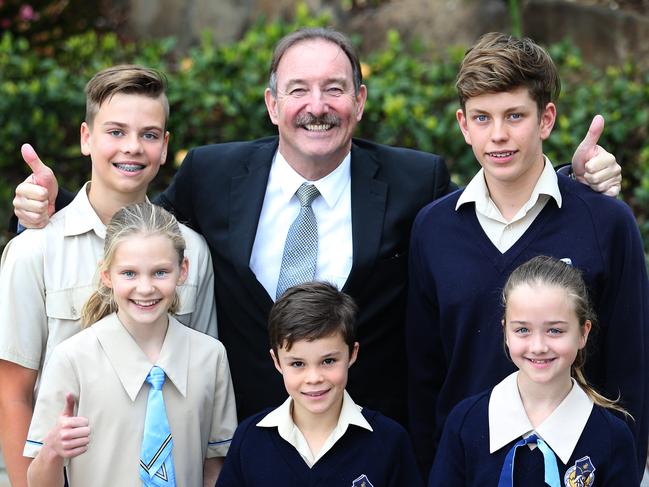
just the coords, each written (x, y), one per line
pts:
(160, 274)
(150, 136)
(116, 133)
(555, 331)
(521, 330)
(516, 116)
(480, 118)
(128, 274)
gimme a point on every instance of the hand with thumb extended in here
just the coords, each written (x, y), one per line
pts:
(71, 435)
(35, 197)
(595, 166)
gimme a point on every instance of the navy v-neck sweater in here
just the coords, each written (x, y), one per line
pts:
(454, 339)
(360, 458)
(603, 456)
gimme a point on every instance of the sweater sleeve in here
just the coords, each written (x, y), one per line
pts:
(426, 367)
(450, 462)
(624, 321)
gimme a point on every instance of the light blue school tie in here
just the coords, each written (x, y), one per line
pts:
(549, 462)
(301, 247)
(156, 463)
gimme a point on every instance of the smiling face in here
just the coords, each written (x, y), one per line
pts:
(543, 334)
(127, 143)
(143, 275)
(506, 134)
(316, 108)
(315, 376)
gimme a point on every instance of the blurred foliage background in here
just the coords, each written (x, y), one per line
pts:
(216, 94)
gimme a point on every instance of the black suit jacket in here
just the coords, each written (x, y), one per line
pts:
(219, 191)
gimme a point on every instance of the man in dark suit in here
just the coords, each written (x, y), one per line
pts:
(240, 196)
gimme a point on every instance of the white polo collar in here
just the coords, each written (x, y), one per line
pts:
(477, 192)
(561, 430)
(282, 419)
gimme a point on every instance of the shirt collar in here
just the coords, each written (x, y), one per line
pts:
(561, 430)
(281, 418)
(132, 365)
(80, 217)
(477, 191)
(331, 186)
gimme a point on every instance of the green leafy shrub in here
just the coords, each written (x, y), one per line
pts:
(217, 94)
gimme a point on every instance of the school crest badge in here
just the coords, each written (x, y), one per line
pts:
(362, 481)
(581, 474)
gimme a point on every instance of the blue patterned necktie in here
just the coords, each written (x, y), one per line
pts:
(301, 247)
(156, 463)
(549, 461)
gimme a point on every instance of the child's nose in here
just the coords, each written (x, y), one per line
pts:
(132, 144)
(539, 344)
(314, 375)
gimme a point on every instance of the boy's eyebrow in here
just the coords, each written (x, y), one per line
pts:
(120, 124)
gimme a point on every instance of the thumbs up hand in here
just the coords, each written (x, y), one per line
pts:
(71, 435)
(593, 165)
(35, 197)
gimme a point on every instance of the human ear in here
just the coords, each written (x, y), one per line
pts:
(464, 127)
(548, 117)
(104, 276)
(184, 270)
(275, 361)
(585, 330)
(84, 139)
(354, 354)
(163, 155)
(360, 102)
(271, 106)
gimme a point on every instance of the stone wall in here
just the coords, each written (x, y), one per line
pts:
(605, 35)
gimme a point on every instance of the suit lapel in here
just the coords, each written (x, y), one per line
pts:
(247, 193)
(369, 196)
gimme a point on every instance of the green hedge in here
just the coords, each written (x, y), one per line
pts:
(216, 94)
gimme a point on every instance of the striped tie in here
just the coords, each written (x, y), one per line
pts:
(156, 463)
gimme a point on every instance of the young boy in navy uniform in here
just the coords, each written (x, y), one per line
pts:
(318, 436)
(465, 245)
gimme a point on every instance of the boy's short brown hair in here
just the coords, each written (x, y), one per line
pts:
(498, 62)
(311, 311)
(129, 79)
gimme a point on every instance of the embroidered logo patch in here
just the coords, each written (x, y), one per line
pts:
(362, 481)
(581, 474)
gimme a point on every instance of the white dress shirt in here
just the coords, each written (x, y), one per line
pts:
(332, 210)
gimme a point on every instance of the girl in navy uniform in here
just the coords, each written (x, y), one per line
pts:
(543, 425)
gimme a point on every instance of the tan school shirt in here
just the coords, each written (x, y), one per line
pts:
(46, 276)
(106, 370)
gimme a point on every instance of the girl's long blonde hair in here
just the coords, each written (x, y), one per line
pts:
(138, 219)
(554, 272)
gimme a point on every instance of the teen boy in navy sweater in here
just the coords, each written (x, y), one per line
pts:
(465, 245)
(318, 436)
